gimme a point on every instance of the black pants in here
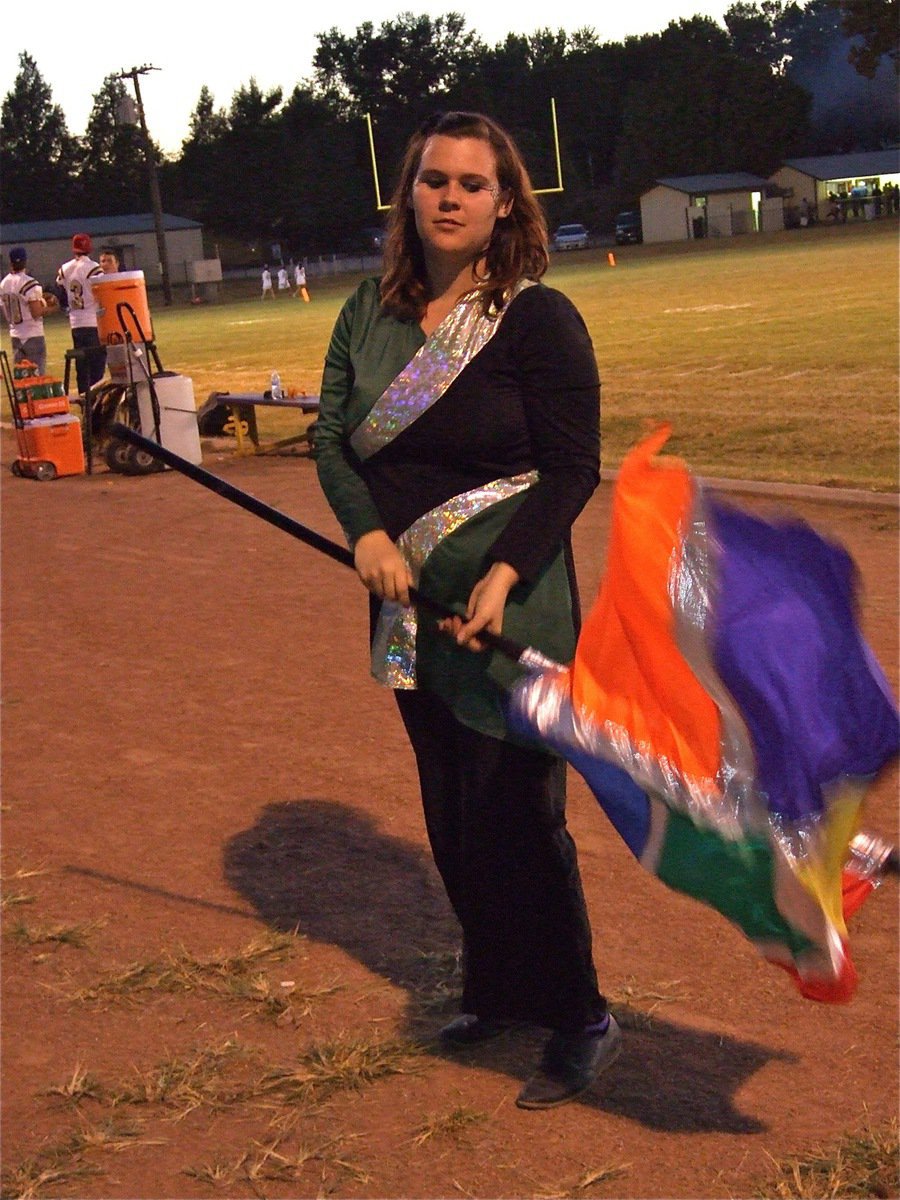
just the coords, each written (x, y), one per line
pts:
(495, 814)
(88, 369)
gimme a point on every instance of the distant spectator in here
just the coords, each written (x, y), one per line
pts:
(24, 305)
(109, 262)
(78, 276)
(300, 283)
(267, 283)
(837, 207)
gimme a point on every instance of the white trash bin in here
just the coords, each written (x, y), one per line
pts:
(178, 428)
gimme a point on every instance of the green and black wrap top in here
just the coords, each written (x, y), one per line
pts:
(475, 445)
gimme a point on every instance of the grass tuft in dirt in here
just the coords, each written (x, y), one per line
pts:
(111, 1135)
(81, 1086)
(77, 935)
(287, 1003)
(211, 1077)
(230, 976)
(52, 1168)
(59, 1165)
(12, 899)
(863, 1164)
(636, 1005)
(27, 872)
(591, 1178)
(453, 1124)
(338, 1065)
(272, 1163)
(435, 979)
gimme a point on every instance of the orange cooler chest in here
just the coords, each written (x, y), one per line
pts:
(50, 447)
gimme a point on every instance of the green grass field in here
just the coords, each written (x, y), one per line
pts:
(774, 357)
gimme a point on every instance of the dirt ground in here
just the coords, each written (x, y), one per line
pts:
(195, 762)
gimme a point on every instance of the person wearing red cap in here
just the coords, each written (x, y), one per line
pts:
(24, 305)
(77, 277)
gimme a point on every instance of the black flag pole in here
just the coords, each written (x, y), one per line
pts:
(273, 516)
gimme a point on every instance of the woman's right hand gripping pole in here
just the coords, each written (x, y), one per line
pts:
(381, 567)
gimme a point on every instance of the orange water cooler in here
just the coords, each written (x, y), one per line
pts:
(123, 319)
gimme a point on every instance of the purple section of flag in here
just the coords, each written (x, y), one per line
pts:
(788, 647)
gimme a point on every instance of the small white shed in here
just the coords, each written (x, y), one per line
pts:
(48, 244)
(697, 206)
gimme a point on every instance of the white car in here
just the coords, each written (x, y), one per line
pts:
(570, 237)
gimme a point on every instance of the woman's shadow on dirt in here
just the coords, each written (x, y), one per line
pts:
(328, 872)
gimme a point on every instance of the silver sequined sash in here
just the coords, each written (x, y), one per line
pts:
(394, 644)
(460, 336)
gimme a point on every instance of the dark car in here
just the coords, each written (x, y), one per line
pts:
(628, 228)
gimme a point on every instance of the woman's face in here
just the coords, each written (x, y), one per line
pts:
(456, 198)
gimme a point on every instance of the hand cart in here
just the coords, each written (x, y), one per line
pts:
(47, 433)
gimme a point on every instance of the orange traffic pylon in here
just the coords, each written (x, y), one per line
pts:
(611, 259)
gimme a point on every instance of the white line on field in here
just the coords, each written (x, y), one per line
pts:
(707, 308)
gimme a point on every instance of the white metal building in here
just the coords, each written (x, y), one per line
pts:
(49, 244)
(696, 206)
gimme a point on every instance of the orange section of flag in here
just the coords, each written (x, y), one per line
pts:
(651, 693)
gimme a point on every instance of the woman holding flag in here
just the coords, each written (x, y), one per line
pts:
(457, 442)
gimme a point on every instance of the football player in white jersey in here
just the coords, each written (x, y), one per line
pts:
(77, 276)
(24, 304)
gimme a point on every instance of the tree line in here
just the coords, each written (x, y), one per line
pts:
(695, 98)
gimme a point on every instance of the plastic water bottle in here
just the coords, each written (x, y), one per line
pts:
(276, 386)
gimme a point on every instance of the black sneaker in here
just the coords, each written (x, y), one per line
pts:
(469, 1030)
(570, 1065)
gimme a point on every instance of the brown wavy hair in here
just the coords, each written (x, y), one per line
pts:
(518, 245)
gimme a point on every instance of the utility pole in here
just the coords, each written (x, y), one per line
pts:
(155, 200)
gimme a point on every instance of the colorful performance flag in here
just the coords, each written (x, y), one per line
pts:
(727, 714)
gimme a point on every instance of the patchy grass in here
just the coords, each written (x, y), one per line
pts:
(52, 1168)
(863, 1164)
(635, 1005)
(81, 1086)
(213, 1077)
(453, 1124)
(591, 1177)
(61, 1164)
(230, 976)
(27, 872)
(340, 1064)
(77, 935)
(275, 1163)
(435, 979)
(223, 1075)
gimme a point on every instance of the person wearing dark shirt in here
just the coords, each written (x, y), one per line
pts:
(457, 442)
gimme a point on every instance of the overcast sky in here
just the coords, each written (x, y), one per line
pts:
(76, 47)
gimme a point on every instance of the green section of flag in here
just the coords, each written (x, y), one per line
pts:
(736, 878)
